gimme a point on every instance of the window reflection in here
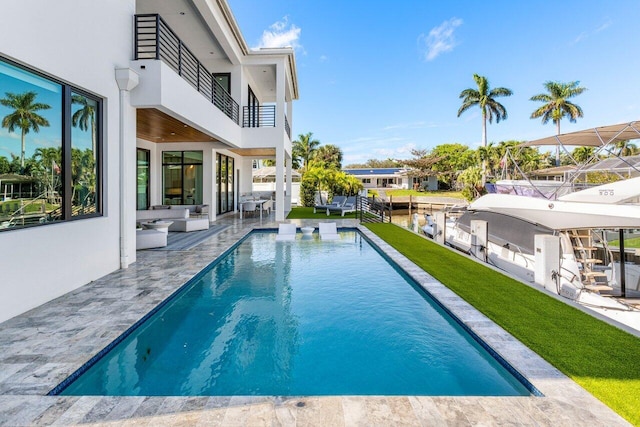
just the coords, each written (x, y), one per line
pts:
(30, 148)
(38, 125)
(83, 155)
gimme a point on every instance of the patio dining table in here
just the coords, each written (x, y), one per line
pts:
(258, 203)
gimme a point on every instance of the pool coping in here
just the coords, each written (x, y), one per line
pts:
(42, 347)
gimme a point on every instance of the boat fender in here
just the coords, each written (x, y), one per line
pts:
(569, 291)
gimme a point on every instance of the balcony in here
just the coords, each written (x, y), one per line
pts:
(262, 116)
(155, 40)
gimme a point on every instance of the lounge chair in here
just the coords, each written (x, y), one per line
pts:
(328, 231)
(336, 202)
(286, 232)
(348, 206)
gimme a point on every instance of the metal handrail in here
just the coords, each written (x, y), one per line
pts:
(259, 116)
(372, 210)
(154, 39)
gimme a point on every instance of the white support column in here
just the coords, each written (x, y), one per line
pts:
(288, 183)
(280, 155)
(127, 79)
(280, 95)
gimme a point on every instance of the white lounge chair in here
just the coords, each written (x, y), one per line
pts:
(328, 231)
(286, 232)
(348, 206)
(336, 202)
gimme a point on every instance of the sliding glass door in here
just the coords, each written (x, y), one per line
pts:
(182, 177)
(225, 184)
(142, 177)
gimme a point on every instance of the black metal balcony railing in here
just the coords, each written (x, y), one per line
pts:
(155, 40)
(262, 116)
(287, 127)
(259, 117)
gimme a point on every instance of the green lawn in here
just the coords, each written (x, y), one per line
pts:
(307, 213)
(401, 193)
(599, 357)
(628, 243)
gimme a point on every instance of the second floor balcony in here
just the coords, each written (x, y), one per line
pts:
(262, 116)
(158, 47)
(155, 40)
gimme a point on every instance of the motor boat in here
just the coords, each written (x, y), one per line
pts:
(564, 245)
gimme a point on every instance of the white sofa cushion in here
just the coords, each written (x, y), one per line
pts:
(151, 214)
(146, 239)
(189, 224)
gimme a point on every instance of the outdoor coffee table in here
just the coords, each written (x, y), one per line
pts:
(157, 225)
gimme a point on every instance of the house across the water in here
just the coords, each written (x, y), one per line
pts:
(393, 178)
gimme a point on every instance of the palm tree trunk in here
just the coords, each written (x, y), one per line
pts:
(22, 151)
(484, 144)
(558, 146)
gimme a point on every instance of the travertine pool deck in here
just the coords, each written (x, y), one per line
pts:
(42, 347)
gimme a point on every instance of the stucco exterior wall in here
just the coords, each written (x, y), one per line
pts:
(42, 263)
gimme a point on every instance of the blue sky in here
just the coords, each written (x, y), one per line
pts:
(379, 78)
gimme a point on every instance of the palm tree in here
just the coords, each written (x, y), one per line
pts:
(304, 147)
(24, 116)
(85, 117)
(582, 154)
(330, 154)
(484, 98)
(557, 105)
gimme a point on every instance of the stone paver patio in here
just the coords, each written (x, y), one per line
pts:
(42, 347)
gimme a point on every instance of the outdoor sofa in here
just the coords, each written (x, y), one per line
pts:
(180, 215)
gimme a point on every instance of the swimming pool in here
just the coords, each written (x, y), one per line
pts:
(297, 318)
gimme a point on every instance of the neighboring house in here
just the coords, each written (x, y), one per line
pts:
(264, 180)
(149, 102)
(557, 173)
(392, 178)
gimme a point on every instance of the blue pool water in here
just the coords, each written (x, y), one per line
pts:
(299, 318)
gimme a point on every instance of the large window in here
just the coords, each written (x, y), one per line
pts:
(143, 161)
(182, 177)
(225, 183)
(50, 145)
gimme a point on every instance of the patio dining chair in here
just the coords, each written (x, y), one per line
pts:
(249, 207)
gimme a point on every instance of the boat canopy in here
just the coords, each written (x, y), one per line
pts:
(594, 137)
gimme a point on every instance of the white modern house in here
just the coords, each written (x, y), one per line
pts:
(391, 178)
(132, 103)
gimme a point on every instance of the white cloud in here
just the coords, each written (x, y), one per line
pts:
(359, 150)
(581, 36)
(440, 39)
(402, 152)
(414, 125)
(324, 58)
(585, 34)
(281, 34)
(604, 26)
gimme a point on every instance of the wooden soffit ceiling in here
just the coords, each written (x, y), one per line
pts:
(255, 152)
(156, 126)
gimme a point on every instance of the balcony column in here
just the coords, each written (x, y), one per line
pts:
(280, 155)
(288, 183)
